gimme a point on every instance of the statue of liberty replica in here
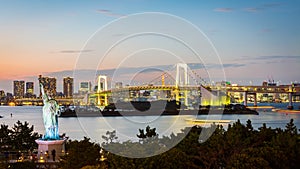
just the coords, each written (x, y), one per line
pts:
(50, 144)
(50, 116)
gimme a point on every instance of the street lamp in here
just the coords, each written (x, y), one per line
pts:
(102, 157)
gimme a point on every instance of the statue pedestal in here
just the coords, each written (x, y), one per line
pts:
(47, 148)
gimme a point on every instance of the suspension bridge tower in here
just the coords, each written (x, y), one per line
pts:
(182, 81)
(102, 90)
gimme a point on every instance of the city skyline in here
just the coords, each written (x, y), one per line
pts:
(26, 89)
(256, 40)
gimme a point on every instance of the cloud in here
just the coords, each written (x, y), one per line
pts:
(258, 60)
(271, 5)
(75, 51)
(228, 65)
(109, 13)
(103, 11)
(266, 30)
(213, 65)
(253, 10)
(268, 59)
(223, 10)
(275, 57)
(262, 7)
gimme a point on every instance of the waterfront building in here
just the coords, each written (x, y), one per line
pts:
(49, 84)
(222, 84)
(68, 84)
(2, 97)
(85, 87)
(269, 83)
(60, 94)
(19, 88)
(2, 93)
(29, 87)
(119, 85)
(264, 83)
(29, 90)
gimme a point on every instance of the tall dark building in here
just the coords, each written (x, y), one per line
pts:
(2, 94)
(49, 84)
(29, 90)
(29, 87)
(19, 88)
(68, 86)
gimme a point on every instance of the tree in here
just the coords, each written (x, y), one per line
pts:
(246, 161)
(23, 137)
(150, 132)
(110, 136)
(80, 154)
(249, 125)
(5, 137)
(291, 128)
(22, 165)
(240, 146)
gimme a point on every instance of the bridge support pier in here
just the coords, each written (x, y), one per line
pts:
(255, 99)
(290, 106)
(245, 98)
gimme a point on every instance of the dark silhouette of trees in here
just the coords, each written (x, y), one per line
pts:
(23, 137)
(5, 137)
(20, 138)
(80, 154)
(150, 132)
(240, 146)
(110, 136)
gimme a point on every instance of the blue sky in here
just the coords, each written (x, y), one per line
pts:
(259, 39)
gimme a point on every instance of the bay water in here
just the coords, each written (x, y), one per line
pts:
(128, 126)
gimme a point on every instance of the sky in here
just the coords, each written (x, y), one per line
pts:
(256, 40)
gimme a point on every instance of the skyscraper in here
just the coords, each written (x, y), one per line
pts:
(29, 87)
(19, 88)
(68, 86)
(49, 84)
(2, 94)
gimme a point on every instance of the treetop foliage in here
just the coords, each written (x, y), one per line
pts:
(239, 146)
(20, 138)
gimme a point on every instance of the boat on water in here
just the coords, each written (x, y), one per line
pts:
(152, 108)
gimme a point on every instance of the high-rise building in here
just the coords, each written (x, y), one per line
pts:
(2, 94)
(68, 86)
(49, 84)
(29, 90)
(85, 87)
(19, 88)
(119, 85)
(29, 87)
